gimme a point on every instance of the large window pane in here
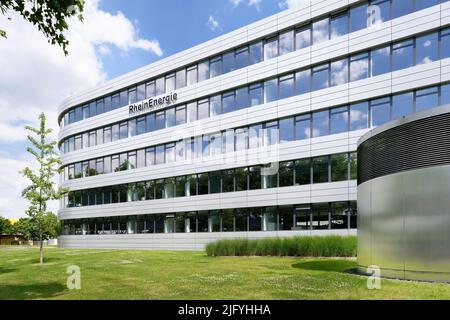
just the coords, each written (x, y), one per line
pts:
(255, 219)
(445, 94)
(380, 111)
(320, 169)
(240, 179)
(160, 86)
(286, 86)
(181, 78)
(242, 98)
(358, 17)
(303, 127)
(320, 216)
(228, 102)
(321, 77)
(402, 105)
(402, 7)
(271, 48)
(303, 82)
(339, 72)
(228, 63)
(339, 167)
(380, 11)
(240, 220)
(402, 55)
(215, 67)
(180, 115)
(339, 120)
(359, 67)
(320, 123)
(170, 83)
(256, 94)
(214, 182)
(286, 130)
(242, 58)
(445, 43)
(422, 4)
(256, 52)
(302, 38)
(203, 71)
(380, 61)
(286, 173)
(359, 116)
(320, 31)
(270, 90)
(191, 75)
(286, 217)
(427, 48)
(203, 110)
(427, 98)
(302, 217)
(339, 25)
(286, 42)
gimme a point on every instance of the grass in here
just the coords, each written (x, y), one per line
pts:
(329, 246)
(109, 274)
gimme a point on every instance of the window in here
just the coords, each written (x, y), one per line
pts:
(320, 124)
(228, 180)
(241, 136)
(123, 159)
(339, 120)
(303, 82)
(150, 122)
(242, 58)
(79, 142)
(422, 4)
(240, 179)
(271, 48)
(303, 127)
(380, 61)
(254, 219)
(191, 75)
(160, 86)
(445, 94)
(159, 155)
(123, 130)
(228, 63)
(402, 7)
(303, 172)
(358, 17)
(92, 139)
(140, 92)
(132, 127)
(132, 97)
(427, 49)
(320, 77)
(79, 113)
(181, 78)
(242, 100)
(169, 188)
(287, 130)
(320, 31)
(101, 106)
(170, 83)
(254, 178)
(160, 122)
(286, 173)
(320, 216)
(445, 43)
(107, 105)
(107, 165)
(215, 67)
(256, 94)
(359, 116)
(339, 25)
(115, 101)
(140, 125)
(180, 150)
(271, 133)
(214, 182)
(320, 169)
(256, 53)
(339, 167)
(427, 98)
(140, 162)
(115, 165)
(303, 38)
(255, 135)
(286, 42)
(180, 115)
(303, 218)
(203, 109)
(353, 166)
(339, 72)
(170, 153)
(170, 117)
(203, 71)
(180, 186)
(380, 111)
(359, 66)
(227, 102)
(159, 189)
(380, 11)
(270, 90)
(150, 89)
(202, 183)
(192, 111)
(132, 160)
(403, 55)
(123, 99)
(286, 86)
(402, 105)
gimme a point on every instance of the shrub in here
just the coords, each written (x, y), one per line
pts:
(326, 246)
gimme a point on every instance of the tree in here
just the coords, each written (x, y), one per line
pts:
(5, 226)
(42, 187)
(29, 230)
(50, 16)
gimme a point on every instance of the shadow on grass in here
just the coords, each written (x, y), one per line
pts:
(6, 270)
(24, 292)
(326, 265)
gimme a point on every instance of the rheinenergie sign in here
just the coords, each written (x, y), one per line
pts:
(153, 104)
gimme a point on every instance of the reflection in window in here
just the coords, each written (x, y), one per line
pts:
(358, 17)
(403, 55)
(242, 58)
(270, 90)
(256, 52)
(426, 99)
(339, 72)
(427, 48)
(286, 130)
(402, 7)
(339, 120)
(379, 12)
(445, 43)
(256, 94)
(339, 167)
(320, 169)
(359, 66)
(380, 111)
(320, 77)
(303, 127)
(203, 71)
(228, 63)
(302, 38)
(286, 42)
(380, 61)
(402, 105)
(320, 31)
(320, 124)
(286, 86)
(215, 67)
(271, 48)
(339, 25)
(303, 82)
(359, 116)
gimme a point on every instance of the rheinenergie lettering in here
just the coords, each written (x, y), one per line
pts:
(153, 103)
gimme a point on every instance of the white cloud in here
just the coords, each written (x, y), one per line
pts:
(213, 24)
(289, 4)
(36, 77)
(255, 3)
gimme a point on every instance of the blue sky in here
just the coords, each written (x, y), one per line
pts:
(116, 37)
(179, 25)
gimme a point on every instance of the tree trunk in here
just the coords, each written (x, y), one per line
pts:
(41, 251)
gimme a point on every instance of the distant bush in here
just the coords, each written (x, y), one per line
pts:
(326, 246)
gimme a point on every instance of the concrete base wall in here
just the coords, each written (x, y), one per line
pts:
(178, 241)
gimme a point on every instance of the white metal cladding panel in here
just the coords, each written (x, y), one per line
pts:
(407, 79)
(363, 39)
(339, 143)
(324, 192)
(180, 241)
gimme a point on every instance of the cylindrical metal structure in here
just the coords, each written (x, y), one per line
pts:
(404, 197)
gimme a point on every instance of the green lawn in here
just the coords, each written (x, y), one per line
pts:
(108, 274)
